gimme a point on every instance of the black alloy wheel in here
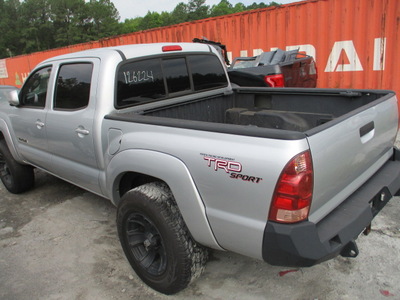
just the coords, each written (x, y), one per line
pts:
(146, 244)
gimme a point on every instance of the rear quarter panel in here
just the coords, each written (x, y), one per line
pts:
(236, 208)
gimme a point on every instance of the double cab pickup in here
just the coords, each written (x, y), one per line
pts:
(288, 176)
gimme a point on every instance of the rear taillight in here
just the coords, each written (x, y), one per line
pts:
(171, 48)
(277, 80)
(293, 192)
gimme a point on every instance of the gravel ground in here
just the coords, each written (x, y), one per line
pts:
(60, 242)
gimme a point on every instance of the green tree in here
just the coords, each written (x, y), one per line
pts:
(197, 10)
(239, 7)
(180, 13)
(131, 25)
(35, 25)
(38, 32)
(150, 20)
(77, 21)
(261, 5)
(222, 8)
(66, 15)
(166, 19)
(103, 18)
(10, 28)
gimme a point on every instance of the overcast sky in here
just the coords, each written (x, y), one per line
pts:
(138, 8)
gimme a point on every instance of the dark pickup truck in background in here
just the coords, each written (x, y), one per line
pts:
(277, 68)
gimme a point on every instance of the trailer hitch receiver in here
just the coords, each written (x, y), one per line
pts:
(350, 250)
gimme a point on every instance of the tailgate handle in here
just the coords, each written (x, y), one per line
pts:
(367, 128)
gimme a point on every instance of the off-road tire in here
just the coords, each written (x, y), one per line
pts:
(16, 177)
(156, 241)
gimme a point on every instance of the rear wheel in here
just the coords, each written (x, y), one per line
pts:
(156, 240)
(17, 178)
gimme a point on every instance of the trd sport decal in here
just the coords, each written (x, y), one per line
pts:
(233, 168)
(225, 165)
(246, 177)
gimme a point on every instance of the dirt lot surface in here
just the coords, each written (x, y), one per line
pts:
(60, 242)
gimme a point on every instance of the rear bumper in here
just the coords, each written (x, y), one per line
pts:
(306, 243)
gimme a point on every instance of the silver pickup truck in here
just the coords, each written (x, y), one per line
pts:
(290, 176)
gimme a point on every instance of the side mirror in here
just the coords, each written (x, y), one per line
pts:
(12, 97)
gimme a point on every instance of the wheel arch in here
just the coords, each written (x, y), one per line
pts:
(131, 180)
(6, 135)
(132, 168)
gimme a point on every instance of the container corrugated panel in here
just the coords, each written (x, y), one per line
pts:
(355, 42)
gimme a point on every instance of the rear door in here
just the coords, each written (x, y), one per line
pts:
(70, 124)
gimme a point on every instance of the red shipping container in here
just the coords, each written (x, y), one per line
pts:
(354, 42)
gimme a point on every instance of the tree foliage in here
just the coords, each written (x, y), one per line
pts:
(186, 12)
(10, 26)
(36, 25)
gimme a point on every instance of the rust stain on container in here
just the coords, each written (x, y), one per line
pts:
(354, 42)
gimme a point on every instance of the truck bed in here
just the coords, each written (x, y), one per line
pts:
(255, 109)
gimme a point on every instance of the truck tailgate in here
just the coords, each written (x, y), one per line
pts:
(348, 151)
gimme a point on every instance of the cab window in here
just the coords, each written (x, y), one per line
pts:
(34, 91)
(73, 86)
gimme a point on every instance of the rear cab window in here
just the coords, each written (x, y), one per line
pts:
(154, 79)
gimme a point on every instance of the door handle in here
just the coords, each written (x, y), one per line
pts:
(82, 131)
(39, 124)
(367, 128)
(367, 132)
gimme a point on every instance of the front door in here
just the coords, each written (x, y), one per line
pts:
(29, 122)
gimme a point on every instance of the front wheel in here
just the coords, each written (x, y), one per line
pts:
(156, 240)
(17, 178)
